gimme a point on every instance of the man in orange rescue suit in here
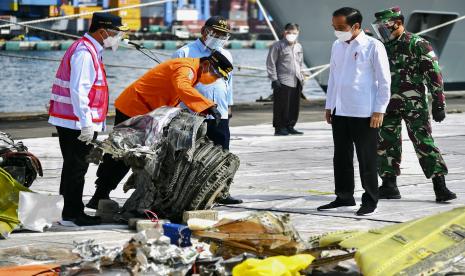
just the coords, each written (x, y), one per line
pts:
(167, 84)
(79, 106)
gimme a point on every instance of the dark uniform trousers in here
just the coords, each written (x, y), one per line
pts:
(286, 104)
(219, 134)
(348, 131)
(74, 170)
(110, 172)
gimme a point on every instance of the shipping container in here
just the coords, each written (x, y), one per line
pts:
(53, 11)
(67, 10)
(122, 3)
(130, 13)
(78, 3)
(38, 2)
(33, 11)
(187, 15)
(152, 11)
(133, 24)
(238, 15)
(9, 5)
(86, 9)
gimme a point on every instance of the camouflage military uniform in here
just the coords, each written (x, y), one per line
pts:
(414, 70)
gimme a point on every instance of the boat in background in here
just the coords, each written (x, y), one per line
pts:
(316, 35)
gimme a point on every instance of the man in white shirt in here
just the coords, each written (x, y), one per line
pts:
(78, 108)
(357, 96)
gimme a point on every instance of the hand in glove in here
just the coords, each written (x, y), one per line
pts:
(87, 134)
(275, 84)
(439, 113)
(216, 114)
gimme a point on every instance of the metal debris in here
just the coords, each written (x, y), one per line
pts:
(146, 253)
(419, 247)
(175, 167)
(18, 161)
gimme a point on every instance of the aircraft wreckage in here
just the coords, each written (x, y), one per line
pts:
(175, 167)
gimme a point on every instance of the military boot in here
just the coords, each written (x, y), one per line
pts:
(388, 189)
(442, 193)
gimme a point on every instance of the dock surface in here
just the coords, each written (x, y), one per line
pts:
(292, 174)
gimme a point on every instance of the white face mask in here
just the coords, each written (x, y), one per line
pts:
(112, 41)
(291, 37)
(343, 36)
(214, 43)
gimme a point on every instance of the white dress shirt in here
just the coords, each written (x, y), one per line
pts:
(81, 80)
(359, 79)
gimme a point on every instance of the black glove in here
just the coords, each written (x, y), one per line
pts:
(275, 84)
(439, 113)
(216, 114)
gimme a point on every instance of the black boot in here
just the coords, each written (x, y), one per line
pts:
(388, 189)
(281, 132)
(442, 193)
(100, 193)
(229, 200)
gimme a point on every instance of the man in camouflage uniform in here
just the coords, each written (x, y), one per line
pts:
(414, 70)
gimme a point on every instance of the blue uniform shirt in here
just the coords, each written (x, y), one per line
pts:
(221, 91)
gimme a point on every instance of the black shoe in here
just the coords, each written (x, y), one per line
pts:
(388, 189)
(84, 220)
(366, 210)
(281, 132)
(99, 194)
(335, 205)
(442, 193)
(293, 131)
(229, 200)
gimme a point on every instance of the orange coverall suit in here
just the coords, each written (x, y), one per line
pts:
(165, 85)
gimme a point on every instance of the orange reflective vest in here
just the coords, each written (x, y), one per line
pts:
(167, 84)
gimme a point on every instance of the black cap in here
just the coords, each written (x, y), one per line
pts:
(221, 64)
(218, 23)
(107, 21)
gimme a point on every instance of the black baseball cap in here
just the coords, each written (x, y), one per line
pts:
(221, 64)
(107, 21)
(218, 23)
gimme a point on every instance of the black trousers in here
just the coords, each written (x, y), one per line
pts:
(286, 104)
(219, 134)
(74, 169)
(348, 131)
(110, 172)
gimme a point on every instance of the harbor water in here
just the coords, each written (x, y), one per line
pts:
(26, 84)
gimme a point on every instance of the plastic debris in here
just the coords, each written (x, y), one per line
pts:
(175, 167)
(274, 266)
(179, 234)
(37, 211)
(18, 161)
(9, 198)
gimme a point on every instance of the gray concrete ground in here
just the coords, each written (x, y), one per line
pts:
(291, 174)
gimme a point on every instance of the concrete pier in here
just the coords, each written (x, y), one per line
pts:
(292, 174)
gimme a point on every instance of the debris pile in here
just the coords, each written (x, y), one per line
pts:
(18, 161)
(147, 252)
(175, 167)
(261, 233)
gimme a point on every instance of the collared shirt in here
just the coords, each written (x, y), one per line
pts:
(221, 91)
(359, 78)
(81, 80)
(285, 62)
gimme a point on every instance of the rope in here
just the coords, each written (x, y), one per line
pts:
(89, 13)
(107, 65)
(41, 29)
(267, 19)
